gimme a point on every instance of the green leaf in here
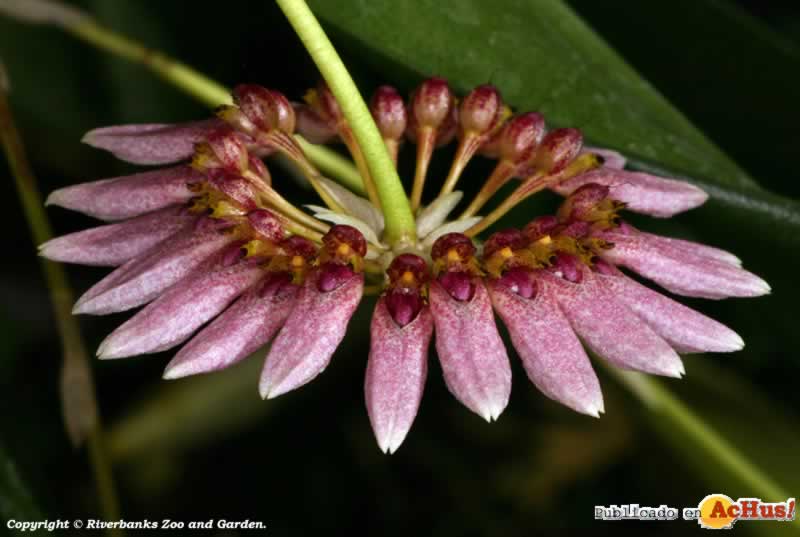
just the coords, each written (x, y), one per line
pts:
(543, 57)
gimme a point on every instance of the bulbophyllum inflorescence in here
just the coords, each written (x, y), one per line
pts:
(222, 261)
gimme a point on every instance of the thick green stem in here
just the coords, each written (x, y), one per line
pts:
(396, 209)
(79, 401)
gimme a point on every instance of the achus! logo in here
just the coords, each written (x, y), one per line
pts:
(718, 511)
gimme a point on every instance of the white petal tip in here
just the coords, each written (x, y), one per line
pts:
(175, 372)
(271, 391)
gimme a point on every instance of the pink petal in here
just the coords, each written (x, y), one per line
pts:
(142, 279)
(610, 329)
(396, 372)
(683, 328)
(152, 143)
(612, 159)
(682, 272)
(114, 244)
(131, 195)
(550, 351)
(310, 336)
(182, 309)
(241, 330)
(694, 249)
(473, 357)
(642, 192)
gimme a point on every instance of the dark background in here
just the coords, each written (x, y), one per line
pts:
(307, 462)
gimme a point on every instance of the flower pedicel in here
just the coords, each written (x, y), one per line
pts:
(222, 262)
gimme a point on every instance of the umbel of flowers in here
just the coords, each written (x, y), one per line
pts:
(224, 265)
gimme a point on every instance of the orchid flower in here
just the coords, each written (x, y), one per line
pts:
(223, 264)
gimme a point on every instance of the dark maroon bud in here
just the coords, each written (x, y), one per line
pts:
(518, 140)
(460, 285)
(407, 274)
(407, 270)
(453, 244)
(508, 238)
(520, 281)
(584, 201)
(267, 109)
(389, 111)
(558, 148)
(228, 150)
(432, 104)
(481, 110)
(332, 276)
(258, 167)
(266, 225)
(327, 105)
(311, 126)
(297, 245)
(539, 227)
(568, 267)
(340, 236)
(235, 187)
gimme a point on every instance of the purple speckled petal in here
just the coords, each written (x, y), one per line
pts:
(396, 372)
(612, 159)
(142, 279)
(610, 329)
(114, 244)
(473, 357)
(182, 309)
(305, 344)
(682, 327)
(152, 143)
(681, 271)
(550, 351)
(241, 329)
(642, 192)
(125, 197)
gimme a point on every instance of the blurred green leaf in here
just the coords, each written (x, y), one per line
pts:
(543, 57)
(727, 71)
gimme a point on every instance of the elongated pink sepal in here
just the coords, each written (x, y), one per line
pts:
(152, 143)
(473, 358)
(114, 244)
(611, 330)
(683, 328)
(142, 279)
(551, 353)
(701, 252)
(305, 344)
(128, 196)
(641, 192)
(182, 309)
(396, 373)
(681, 271)
(248, 324)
